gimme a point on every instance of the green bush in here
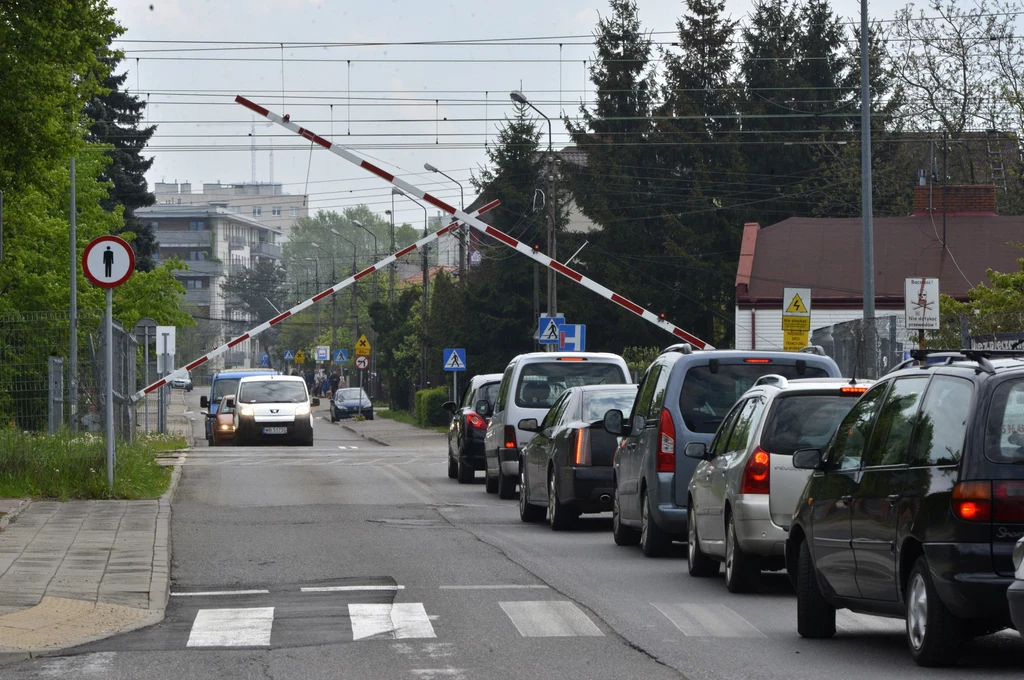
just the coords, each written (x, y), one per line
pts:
(428, 407)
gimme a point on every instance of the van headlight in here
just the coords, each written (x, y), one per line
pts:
(302, 410)
(247, 412)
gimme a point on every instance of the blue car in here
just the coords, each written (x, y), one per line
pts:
(225, 384)
(349, 402)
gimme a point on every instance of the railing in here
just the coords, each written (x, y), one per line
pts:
(183, 238)
(204, 268)
(198, 297)
(266, 249)
(237, 243)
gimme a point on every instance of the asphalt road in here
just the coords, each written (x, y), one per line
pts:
(351, 559)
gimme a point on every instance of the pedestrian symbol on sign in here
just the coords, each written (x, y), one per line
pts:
(455, 359)
(108, 261)
(548, 332)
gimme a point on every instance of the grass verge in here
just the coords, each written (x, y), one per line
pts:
(65, 466)
(408, 419)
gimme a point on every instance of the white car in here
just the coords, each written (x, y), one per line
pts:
(183, 383)
(272, 408)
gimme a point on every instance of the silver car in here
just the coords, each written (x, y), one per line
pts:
(744, 490)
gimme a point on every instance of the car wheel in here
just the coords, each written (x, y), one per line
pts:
(490, 483)
(934, 634)
(815, 617)
(527, 512)
(654, 542)
(465, 471)
(560, 516)
(334, 415)
(453, 467)
(622, 534)
(742, 571)
(700, 565)
(506, 485)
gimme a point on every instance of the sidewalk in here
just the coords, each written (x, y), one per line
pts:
(393, 433)
(79, 571)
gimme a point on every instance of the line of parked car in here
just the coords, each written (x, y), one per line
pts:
(900, 497)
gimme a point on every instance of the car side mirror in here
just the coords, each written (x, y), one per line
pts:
(529, 425)
(698, 450)
(205, 413)
(449, 406)
(315, 401)
(807, 459)
(482, 408)
(613, 423)
(204, 402)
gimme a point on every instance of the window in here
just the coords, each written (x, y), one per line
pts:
(707, 396)
(555, 412)
(196, 225)
(506, 382)
(223, 387)
(722, 436)
(541, 383)
(943, 422)
(293, 212)
(193, 284)
(890, 444)
(596, 404)
(155, 226)
(746, 422)
(1004, 433)
(642, 404)
(273, 392)
(486, 391)
(276, 211)
(197, 255)
(852, 434)
(257, 211)
(803, 421)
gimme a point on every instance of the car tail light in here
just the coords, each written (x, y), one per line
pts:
(510, 436)
(581, 447)
(850, 390)
(972, 501)
(474, 420)
(756, 473)
(1008, 502)
(571, 359)
(757, 361)
(666, 442)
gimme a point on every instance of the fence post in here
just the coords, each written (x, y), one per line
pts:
(965, 333)
(56, 382)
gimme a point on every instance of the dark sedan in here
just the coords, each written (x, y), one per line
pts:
(469, 425)
(349, 402)
(566, 469)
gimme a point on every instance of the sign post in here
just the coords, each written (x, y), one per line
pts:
(142, 328)
(796, 318)
(108, 261)
(921, 298)
(362, 363)
(455, 362)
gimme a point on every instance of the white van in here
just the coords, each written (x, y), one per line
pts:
(529, 386)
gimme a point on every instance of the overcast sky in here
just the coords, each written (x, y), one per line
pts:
(403, 90)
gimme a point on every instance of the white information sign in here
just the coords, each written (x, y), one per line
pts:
(922, 304)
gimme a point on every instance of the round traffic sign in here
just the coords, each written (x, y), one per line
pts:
(362, 363)
(108, 261)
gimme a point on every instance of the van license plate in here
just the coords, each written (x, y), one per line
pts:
(275, 430)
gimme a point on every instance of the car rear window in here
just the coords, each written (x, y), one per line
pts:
(541, 383)
(222, 387)
(272, 391)
(803, 421)
(706, 397)
(596, 404)
(1004, 434)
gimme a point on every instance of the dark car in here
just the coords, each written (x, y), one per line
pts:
(567, 467)
(469, 426)
(916, 502)
(684, 396)
(349, 402)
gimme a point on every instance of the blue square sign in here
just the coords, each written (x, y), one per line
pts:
(341, 356)
(289, 355)
(455, 360)
(572, 338)
(547, 333)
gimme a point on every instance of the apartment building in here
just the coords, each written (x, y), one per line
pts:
(264, 202)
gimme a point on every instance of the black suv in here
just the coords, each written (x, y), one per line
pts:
(915, 504)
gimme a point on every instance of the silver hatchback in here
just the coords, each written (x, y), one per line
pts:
(744, 490)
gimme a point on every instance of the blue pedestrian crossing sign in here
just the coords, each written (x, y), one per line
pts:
(264, 360)
(547, 333)
(289, 355)
(341, 356)
(572, 338)
(455, 360)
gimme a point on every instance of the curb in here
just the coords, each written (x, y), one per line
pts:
(13, 514)
(364, 436)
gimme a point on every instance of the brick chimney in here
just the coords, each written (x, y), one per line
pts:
(962, 199)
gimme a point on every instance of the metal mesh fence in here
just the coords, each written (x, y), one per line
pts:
(36, 384)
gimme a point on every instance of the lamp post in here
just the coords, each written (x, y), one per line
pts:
(376, 256)
(426, 281)
(520, 98)
(334, 299)
(391, 267)
(316, 285)
(462, 231)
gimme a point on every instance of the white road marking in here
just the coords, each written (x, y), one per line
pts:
(343, 448)
(222, 592)
(550, 618)
(852, 622)
(493, 587)
(346, 589)
(707, 620)
(232, 627)
(390, 621)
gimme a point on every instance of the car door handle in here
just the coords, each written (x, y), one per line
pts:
(893, 498)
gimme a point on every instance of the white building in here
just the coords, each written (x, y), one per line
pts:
(265, 202)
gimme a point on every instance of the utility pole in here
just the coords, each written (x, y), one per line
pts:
(73, 316)
(426, 283)
(867, 226)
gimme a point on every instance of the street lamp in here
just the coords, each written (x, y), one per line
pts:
(462, 232)
(376, 256)
(426, 277)
(334, 299)
(519, 98)
(316, 285)
(391, 267)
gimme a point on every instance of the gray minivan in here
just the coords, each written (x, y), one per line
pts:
(682, 398)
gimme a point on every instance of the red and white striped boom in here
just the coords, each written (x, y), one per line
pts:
(479, 225)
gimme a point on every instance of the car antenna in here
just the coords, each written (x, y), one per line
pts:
(853, 378)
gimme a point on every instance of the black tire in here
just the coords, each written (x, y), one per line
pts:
(527, 512)
(742, 571)
(815, 617)
(700, 565)
(937, 641)
(334, 415)
(370, 417)
(465, 471)
(490, 483)
(622, 534)
(506, 486)
(654, 541)
(562, 518)
(453, 467)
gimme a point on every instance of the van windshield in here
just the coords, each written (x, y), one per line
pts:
(541, 383)
(273, 392)
(706, 397)
(222, 387)
(803, 421)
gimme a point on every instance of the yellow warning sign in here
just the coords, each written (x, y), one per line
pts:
(796, 305)
(363, 346)
(300, 357)
(794, 341)
(796, 323)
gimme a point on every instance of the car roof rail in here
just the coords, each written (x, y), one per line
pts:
(948, 356)
(814, 349)
(682, 348)
(771, 379)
